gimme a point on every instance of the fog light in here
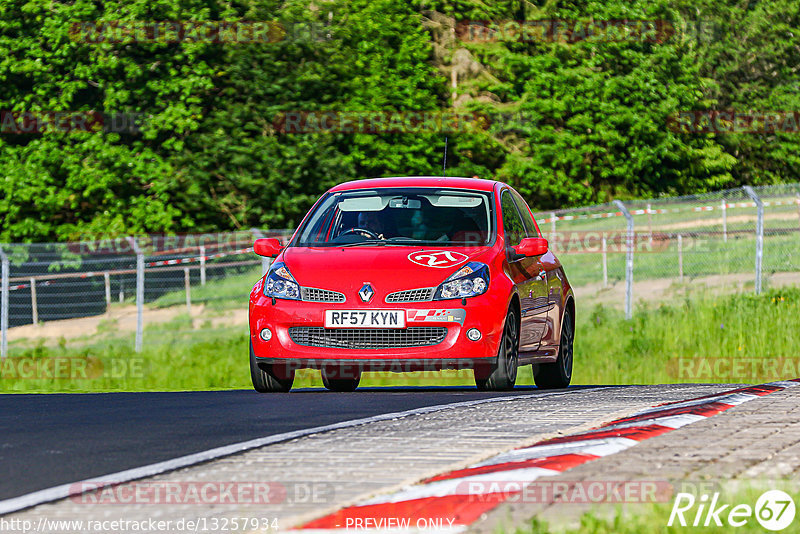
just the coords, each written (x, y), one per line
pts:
(265, 334)
(473, 334)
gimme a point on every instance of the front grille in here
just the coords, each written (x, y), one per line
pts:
(367, 338)
(310, 294)
(412, 295)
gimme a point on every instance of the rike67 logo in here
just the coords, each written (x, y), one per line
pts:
(774, 510)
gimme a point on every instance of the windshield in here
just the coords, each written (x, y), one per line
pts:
(400, 217)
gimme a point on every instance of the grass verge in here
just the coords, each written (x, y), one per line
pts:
(703, 338)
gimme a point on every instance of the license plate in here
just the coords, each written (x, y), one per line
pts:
(365, 319)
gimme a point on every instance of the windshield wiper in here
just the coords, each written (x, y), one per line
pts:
(369, 242)
(380, 243)
(402, 239)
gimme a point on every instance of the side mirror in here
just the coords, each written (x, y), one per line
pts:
(268, 246)
(532, 246)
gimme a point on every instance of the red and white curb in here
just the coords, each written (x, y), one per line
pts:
(453, 500)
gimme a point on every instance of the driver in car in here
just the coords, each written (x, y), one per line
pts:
(370, 220)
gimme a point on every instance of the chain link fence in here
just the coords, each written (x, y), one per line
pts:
(741, 238)
(124, 282)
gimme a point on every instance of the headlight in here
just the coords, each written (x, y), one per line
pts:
(469, 281)
(280, 283)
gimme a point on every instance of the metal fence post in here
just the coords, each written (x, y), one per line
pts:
(605, 261)
(553, 226)
(759, 234)
(628, 260)
(34, 304)
(798, 206)
(649, 224)
(139, 293)
(724, 221)
(107, 283)
(680, 257)
(187, 282)
(202, 265)
(4, 304)
(265, 262)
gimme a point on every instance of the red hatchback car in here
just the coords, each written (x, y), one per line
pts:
(410, 274)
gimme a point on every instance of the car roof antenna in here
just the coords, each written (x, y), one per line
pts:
(444, 163)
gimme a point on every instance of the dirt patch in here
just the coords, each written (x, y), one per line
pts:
(122, 319)
(701, 223)
(666, 289)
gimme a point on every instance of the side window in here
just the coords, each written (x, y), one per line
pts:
(527, 219)
(512, 223)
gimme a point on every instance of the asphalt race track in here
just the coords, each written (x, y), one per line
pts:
(48, 440)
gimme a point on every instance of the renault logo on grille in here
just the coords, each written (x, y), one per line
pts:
(366, 293)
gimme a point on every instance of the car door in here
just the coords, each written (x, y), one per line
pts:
(528, 275)
(549, 294)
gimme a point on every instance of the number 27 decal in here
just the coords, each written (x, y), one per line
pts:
(437, 258)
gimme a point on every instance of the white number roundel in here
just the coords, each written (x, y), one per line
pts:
(437, 258)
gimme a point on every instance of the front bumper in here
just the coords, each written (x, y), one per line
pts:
(454, 351)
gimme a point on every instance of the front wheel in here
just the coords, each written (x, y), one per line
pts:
(503, 375)
(271, 378)
(558, 374)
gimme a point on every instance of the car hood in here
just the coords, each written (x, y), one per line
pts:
(387, 269)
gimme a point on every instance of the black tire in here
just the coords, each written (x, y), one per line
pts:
(333, 382)
(503, 375)
(558, 374)
(268, 380)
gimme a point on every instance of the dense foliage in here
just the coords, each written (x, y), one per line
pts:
(592, 115)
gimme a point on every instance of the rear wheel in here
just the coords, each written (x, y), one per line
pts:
(336, 380)
(559, 373)
(269, 378)
(503, 375)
